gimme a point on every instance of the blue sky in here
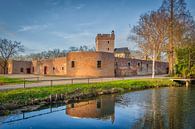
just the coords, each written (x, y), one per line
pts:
(47, 24)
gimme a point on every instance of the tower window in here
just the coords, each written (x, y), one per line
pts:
(72, 64)
(108, 42)
(99, 64)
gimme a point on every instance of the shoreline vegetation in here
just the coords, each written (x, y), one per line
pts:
(19, 98)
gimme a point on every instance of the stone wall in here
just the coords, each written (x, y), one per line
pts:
(86, 64)
(19, 67)
(56, 66)
(131, 67)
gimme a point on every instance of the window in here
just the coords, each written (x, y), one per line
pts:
(108, 49)
(22, 70)
(53, 68)
(99, 64)
(62, 68)
(108, 42)
(138, 64)
(129, 64)
(72, 64)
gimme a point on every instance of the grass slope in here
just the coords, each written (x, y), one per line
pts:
(21, 96)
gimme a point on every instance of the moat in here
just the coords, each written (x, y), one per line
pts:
(163, 108)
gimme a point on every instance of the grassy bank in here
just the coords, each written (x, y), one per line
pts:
(6, 80)
(24, 97)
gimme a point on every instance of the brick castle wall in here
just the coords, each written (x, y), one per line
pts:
(86, 64)
(56, 66)
(19, 67)
(130, 67)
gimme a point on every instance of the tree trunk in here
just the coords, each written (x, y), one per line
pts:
(153, 64)
(5, 68)
(171, 45)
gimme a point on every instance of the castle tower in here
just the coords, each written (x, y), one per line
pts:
(105, 42)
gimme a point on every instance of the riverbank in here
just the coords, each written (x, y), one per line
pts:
(13, 99)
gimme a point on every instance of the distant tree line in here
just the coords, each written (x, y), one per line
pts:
(53, 53)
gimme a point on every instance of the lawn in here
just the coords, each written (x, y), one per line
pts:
(8, 80)
(22, 96)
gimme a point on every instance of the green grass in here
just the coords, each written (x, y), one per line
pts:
(21, 96)
(8, 80)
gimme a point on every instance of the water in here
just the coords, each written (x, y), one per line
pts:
(164, 108)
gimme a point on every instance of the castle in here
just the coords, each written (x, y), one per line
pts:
(106, 61)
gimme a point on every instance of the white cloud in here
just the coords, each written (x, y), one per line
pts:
(80, 6)
(71, 35)
(32, 27)
(87, 23)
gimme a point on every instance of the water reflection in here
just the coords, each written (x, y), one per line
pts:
(170, 108)
(101, 108)
(165, 108)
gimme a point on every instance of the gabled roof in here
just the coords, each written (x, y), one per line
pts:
(122, 49)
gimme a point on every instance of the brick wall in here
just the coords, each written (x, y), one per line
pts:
(130, 67)
(19, 67)
(86, 64)
(105, 42)
(56, 66)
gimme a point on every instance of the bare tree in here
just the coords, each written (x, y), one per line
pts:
(8, 49)
(151, 34)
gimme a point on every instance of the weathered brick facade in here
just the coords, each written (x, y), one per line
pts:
(55, 66)
(19, 67)
(86, 64)
(130, 67)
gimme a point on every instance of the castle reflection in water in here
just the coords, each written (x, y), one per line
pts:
(100, 108)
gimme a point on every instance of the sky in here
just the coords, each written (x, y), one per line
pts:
(42, 25)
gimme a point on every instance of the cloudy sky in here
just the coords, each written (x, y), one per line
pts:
(47, 24)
